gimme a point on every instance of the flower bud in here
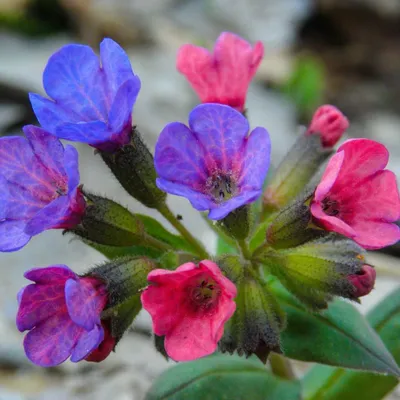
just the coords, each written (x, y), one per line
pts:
(291, 226)
(316, 270)
(237, 223)
(363, 281)
(106, 222)
(255, 327)
(232, 267)
(124, 278)
(294, 172)
(329, 123)
(133, 166)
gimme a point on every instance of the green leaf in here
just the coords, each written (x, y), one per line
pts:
(222, 377)
(155, 229)
(338, 336)
(328, 383)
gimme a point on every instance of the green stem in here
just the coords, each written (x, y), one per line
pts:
(157, 244)
(170, 217)
(281, 366)
(244, 249)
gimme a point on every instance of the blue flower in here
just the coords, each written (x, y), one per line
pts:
(214, 162)
(38, 187)
(90, 102)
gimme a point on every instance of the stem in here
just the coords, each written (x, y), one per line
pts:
(158, 244)
(244, 249)
(281, 366)
(170, 217)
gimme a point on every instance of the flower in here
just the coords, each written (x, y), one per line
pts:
(364, 281)
(357, 197)
(214, 163)
(190, 307)
(224, 75)
(61, 311)
(39, 187)
(329, 123)
(90, 102)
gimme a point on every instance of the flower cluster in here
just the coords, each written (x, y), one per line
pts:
(311, 240)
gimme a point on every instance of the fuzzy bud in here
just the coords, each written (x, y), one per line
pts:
(133, 166)
(329, 123)
(363, 281)
(108, 223)
(237, 223)
(317, 270)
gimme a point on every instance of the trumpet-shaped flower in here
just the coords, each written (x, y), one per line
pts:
(189, 306)
(223, 76)
(214, 162)
(39, 187)
(357, 197)
(91, 100)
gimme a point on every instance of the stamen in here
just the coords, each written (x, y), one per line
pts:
(330, 207)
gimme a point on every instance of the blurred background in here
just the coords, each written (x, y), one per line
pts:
(344, 52)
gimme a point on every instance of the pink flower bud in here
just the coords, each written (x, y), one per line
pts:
(364, 281)
(329, 123)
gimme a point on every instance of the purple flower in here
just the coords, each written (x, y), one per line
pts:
(61, 311)
(38, 187)
(214, 162)
(91, 102)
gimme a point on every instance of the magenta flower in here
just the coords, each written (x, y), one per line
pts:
(357, 197)
(91, 99)
(61, 311)
(39, 187)
(215, 162)
(190, 307)
(329, 123)
(223, 76)
(364, 281)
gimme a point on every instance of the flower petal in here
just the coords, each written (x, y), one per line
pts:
(329, 177)
(51, 342)
(180, 158)
(190, 339)
(85, 302)
(55, 274)
(363, 157)
(73, 78)
(38, 303)
(55, 215)
(47, 148)
(256, 159)
(373, 235)
(330, 223)
(12, 235)
(71, 165)
(87, 342)
(50, 114)
(198, 200)
(89, 132)
(222, 210)
(121, 109)
(222, 132)
(116, 66)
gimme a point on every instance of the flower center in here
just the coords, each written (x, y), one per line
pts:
(222, 187)
(204, 293)
(330, 207)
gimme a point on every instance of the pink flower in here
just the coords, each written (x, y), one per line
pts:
(329, 123)
(364, 281)
(224, 75)
(357, 197)
(190, 307)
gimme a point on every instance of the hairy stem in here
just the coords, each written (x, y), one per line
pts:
(281, 366)
(170, 217)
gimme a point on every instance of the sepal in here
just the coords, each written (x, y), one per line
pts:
(133, 166)
(237, 224)
(255, 327)
(317, 270)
